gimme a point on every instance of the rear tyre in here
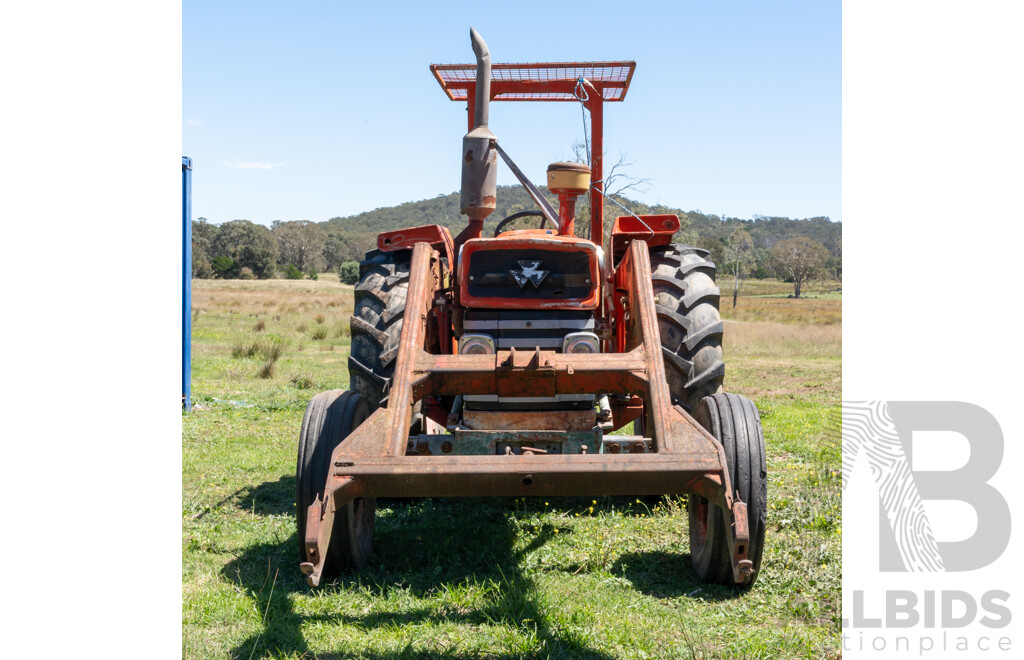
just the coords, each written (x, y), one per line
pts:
(330, 418)
(735, 422)
(376, 323)
(686, 302)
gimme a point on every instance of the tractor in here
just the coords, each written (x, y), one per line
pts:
(501, 365)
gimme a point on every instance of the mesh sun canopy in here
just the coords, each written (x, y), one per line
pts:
(550, 81)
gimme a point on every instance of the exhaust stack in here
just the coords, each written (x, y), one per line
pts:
(479, 157)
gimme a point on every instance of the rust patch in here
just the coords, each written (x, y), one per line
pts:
(553, 420)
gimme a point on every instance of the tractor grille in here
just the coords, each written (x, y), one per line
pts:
(556, 274)
(527, 330)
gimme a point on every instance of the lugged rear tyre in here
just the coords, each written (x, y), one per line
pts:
(330, 417)
(686, 302)
(376, 323)
(735, 422)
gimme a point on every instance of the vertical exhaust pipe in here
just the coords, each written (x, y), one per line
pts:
(479, 157)
(483, 78)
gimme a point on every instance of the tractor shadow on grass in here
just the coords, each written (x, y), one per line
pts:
(422, 548)
(270, 498)
(666, 575)
(267, 499)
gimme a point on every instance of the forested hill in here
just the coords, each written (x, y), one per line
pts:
(243, 249)
(358, 232)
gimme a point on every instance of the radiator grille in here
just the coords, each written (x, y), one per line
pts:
(526, 330)
(566, 275)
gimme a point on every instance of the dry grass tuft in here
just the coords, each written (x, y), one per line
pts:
(269, 348)
(303, 381)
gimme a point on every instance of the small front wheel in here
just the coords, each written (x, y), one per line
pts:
(330, 418)
(735, 422)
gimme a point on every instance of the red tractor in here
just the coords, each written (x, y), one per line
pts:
(500, 365)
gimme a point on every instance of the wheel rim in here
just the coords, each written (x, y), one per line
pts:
(699, 521)
(363, 514)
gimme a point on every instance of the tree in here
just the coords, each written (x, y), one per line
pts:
(762, 264)
(739, 258)
(616, 179)
(349, 272)
(798, 259)
(201, 264)
(224, 266)
(335, 248)
(714, 246)
(249, 245)
(616, 182)
(300, 242)
(837, 259)
(344, 244)
(203, 234)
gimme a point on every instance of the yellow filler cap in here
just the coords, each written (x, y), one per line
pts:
(571, 178)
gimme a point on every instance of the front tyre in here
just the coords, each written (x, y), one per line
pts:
(735, 422)
(330, 417)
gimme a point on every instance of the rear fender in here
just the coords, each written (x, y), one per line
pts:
(436, 236)
(651, 229)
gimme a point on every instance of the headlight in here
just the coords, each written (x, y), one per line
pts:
(581, 342)
(476, 345)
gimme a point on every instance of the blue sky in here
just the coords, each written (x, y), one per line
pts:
(309, 111)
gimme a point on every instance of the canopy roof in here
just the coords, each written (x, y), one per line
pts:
(548, 81)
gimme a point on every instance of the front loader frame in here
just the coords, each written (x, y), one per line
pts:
(381, 459)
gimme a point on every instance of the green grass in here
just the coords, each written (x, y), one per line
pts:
(490, 578)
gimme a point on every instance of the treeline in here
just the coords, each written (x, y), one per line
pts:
(242, 249)
(713, 233)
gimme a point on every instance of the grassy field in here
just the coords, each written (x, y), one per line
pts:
(501, 578)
